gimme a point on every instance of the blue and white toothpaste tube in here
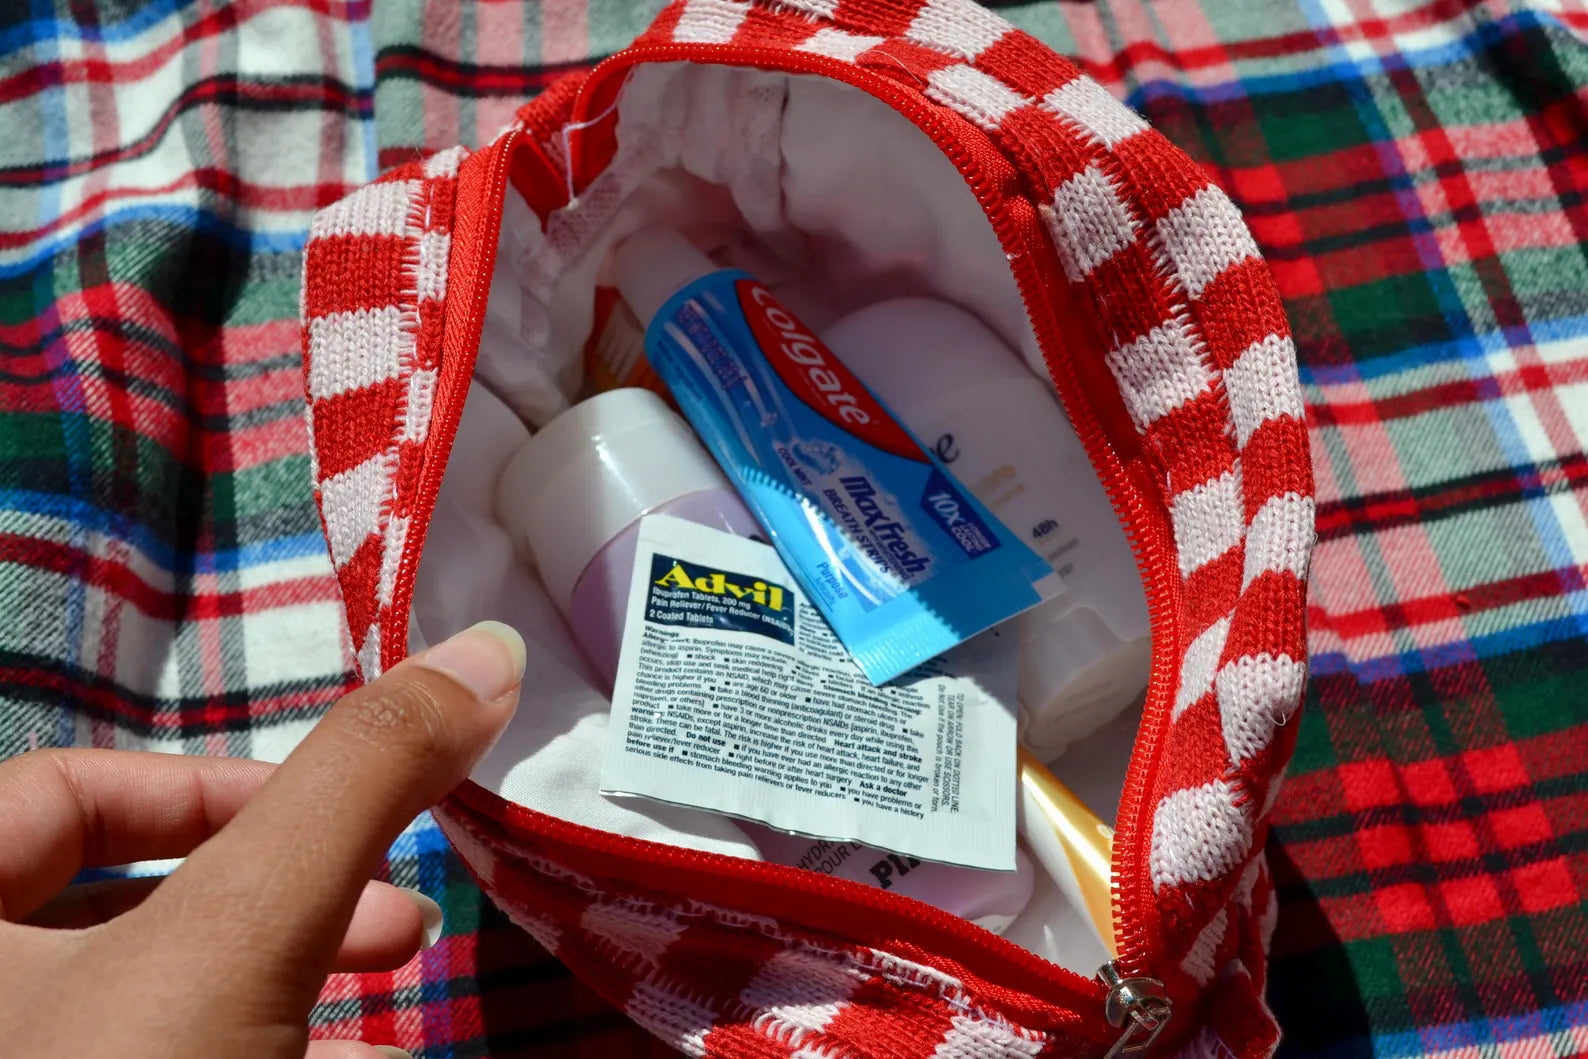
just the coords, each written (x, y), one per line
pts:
(901, 559)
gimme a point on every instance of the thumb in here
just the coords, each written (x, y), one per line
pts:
(280, 881)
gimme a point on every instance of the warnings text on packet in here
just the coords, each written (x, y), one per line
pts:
(753, 713)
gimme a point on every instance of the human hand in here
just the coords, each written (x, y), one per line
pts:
(226, 956)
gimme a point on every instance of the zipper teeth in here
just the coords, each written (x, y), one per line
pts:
(1134, 908)
(452, 388)
(1132, 899)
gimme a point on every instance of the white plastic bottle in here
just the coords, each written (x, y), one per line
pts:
(1084, 656)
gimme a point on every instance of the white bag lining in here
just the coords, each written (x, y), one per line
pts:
(831, 198)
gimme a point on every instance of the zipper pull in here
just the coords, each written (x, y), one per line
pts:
(1139, 1006)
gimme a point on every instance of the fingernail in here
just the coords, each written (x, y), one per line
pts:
(487, 658)
(391, 1052)
(429, 915)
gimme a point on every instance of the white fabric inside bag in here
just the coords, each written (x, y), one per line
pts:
(835, 201)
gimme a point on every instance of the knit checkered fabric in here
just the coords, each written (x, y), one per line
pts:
(1412, 172)
(1192, 350)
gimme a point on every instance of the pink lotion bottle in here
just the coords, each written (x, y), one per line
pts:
(574, 493)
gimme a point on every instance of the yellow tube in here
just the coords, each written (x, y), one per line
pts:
(1075, 847)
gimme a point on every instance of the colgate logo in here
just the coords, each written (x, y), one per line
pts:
(818, 378)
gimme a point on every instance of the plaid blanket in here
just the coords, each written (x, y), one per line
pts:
(1414, 170)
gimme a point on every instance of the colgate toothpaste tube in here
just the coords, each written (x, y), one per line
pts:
(901, 559)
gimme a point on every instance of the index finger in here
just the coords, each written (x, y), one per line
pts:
(65, 810)
(281, 880)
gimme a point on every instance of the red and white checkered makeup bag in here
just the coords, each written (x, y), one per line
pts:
(1163, 333)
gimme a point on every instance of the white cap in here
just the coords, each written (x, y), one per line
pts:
(914, 351)
(652, 264)
(1075, 674)
(592, 471)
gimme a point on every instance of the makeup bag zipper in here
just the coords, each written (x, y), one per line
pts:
(1138, 1007)
(1132, 1001)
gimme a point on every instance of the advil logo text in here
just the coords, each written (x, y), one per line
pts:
(716, 583)
(693, 596)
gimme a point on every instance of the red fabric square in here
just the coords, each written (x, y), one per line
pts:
(1384, 846)
(1368, 784)
(1330, 857)
(1230, 311)
(1404, 908)
(1453, 841)
(1546, 885)
(1310, 796)
(1498, 768)
(1428, 783)
(1471, 900)
(1257, 183)
(1522, 826)
(1298, 277)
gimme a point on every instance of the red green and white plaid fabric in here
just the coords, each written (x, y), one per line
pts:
(1412, 172)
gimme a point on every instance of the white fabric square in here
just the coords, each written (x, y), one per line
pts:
(274, 742)
(542, 928)
(444, 163)
(351, 350)
(682, 1021)
(836, 44)
(1090, 223)
(980, 97)
(1200, 664)
(1276, 782)
(376, 209)
(958, 27)
(391, 553)
(1105, 119)
(430, 276)
(1256, 695)
(631, 932)
(710, 21)
(1280, 537)
(261, 47)
(801, 989)
(1198, 834)
(1203, 236)
(1262, 385)
(420, 405)
(281, 644)
(970, 1036)
(1208, 520)
(1247, 882)
(1159, 372)
(352, 501)
(1199, 960)
(369, 654)
(1268, 918)
(814, 8)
